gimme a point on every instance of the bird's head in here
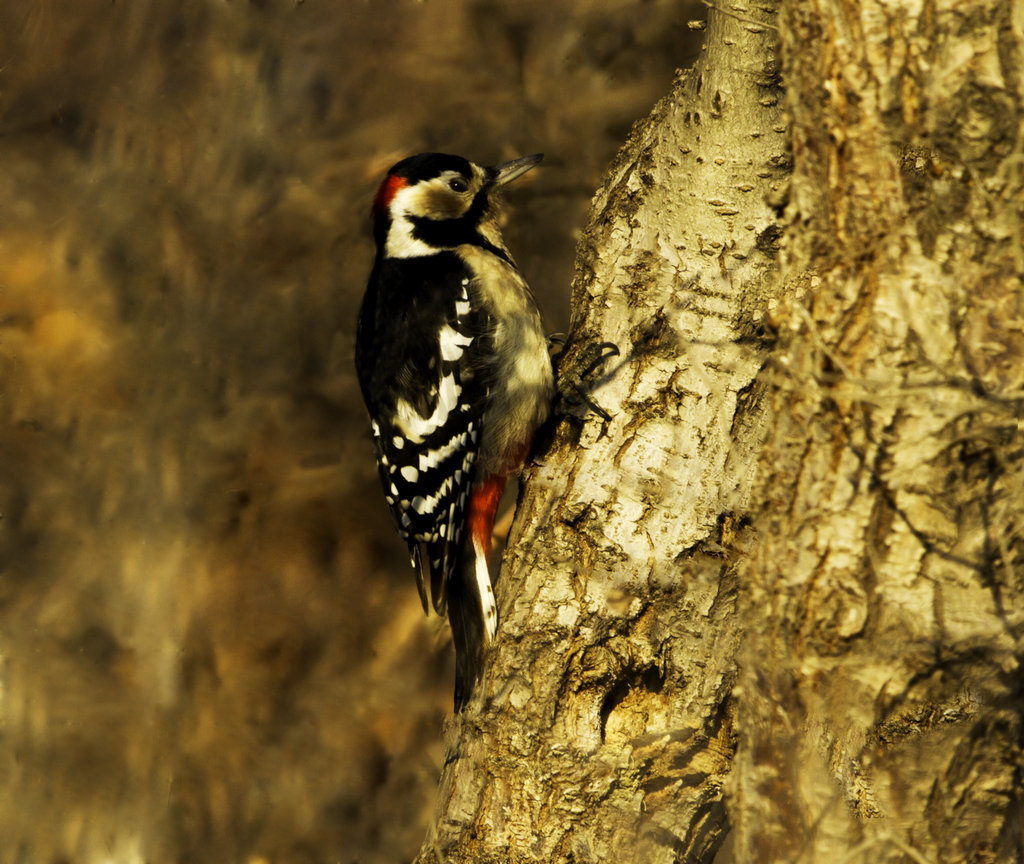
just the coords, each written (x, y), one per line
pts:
(434, 201)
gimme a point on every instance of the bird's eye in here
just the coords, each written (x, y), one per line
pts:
(457, 184)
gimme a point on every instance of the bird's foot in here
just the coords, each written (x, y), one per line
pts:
(572, 375)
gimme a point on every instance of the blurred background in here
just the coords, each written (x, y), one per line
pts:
(211, 649)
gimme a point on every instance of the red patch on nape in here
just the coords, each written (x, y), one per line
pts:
(386, 194)
(483, 505)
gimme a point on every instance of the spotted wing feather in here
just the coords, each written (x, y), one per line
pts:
(427, 432)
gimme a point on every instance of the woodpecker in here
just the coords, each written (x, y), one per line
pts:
(454, 368)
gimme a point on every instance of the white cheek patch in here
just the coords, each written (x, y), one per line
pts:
(419, 199)
(401, 244)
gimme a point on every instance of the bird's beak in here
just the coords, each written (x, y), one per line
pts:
(508, 171)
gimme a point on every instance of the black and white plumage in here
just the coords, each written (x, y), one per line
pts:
(427, 448)
(454, 368)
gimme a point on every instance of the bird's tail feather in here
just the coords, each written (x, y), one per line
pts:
(473, 615)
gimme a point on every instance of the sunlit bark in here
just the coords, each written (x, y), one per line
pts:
(770, 612)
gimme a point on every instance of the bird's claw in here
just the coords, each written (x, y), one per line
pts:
(586, 362)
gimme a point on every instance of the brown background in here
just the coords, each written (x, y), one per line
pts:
(210, 642)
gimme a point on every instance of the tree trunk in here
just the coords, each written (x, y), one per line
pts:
(880, 696)
(775, 600)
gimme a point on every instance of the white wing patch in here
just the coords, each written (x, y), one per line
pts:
(462, 305)
(429, 503)
(452, 343)
(414, 425)
(433, 458)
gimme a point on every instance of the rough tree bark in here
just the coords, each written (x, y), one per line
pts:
(880, 698)
(770, 612)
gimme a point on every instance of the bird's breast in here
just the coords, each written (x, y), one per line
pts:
(521, 377)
